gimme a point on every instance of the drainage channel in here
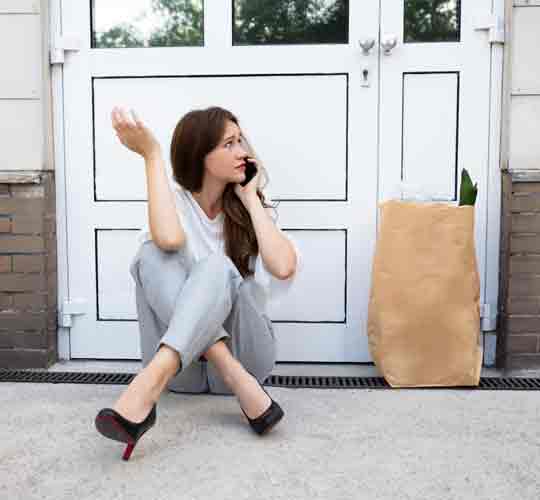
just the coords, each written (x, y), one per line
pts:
(291, 381)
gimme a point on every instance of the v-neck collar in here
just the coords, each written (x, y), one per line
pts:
(215, 220)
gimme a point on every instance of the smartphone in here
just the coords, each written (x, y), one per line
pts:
(251, 170)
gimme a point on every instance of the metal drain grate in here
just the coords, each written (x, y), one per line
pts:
(487, 383)
(46, 377)
(327, 382)
(291, 381)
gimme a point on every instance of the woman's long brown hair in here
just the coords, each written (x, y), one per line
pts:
(197, 133)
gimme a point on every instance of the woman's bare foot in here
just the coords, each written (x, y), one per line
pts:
(137, 400)
(252, 398)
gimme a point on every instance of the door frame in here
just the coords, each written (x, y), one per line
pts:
(494, 183)
(495, 165)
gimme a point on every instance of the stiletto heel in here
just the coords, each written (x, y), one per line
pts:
(127, 453)
(268, 418)
(114, 426)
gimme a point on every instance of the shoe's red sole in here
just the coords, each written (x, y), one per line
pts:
(110, 428)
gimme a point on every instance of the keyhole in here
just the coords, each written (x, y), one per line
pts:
(365, 74)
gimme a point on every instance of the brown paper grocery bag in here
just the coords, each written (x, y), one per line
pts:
(424, 307)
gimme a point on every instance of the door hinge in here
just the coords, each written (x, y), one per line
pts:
(61, 44)
(488, 317)
(494, 24)
(68, 309)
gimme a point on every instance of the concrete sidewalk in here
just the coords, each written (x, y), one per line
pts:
(332, 444)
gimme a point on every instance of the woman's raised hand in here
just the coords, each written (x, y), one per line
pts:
(133, 133)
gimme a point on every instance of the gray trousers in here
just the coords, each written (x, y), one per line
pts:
(191, 310)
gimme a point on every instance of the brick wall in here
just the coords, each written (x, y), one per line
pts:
(28, 277)
(519, 339)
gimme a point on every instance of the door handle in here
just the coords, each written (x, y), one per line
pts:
(388, 42)
(366, 44)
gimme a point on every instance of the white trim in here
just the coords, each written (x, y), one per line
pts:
(20, 7)
(526, 3)
(507, 81)
(491, 291)
(524, 175)
(524, 92)
(20, 177)
(57, 86)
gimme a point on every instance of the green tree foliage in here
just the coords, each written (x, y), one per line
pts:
(122, 35)
(432, 20)
(290, 21)
(257, 21)
(183, 23)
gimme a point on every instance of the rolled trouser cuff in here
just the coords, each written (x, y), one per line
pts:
(191, 349)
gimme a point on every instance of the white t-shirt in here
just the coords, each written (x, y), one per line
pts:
(205, 236)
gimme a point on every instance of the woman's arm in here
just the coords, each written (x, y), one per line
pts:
(166, 229)
(276, 250)
(165, 226)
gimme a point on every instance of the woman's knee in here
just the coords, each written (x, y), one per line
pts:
(221, 271)
(150, 249)
(161, 275)
(154, 262)
(262, 355)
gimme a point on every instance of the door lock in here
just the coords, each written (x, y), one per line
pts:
(364, 76)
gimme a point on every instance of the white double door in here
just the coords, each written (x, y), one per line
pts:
(337, 128)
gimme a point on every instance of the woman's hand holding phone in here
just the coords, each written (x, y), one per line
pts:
(247, 189)
(133, 133)
(250, 172)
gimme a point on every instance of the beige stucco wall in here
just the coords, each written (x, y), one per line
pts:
(524, 86)
(25, 90)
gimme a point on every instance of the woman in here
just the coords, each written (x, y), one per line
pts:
(205, 268)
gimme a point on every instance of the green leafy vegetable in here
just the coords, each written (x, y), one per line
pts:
(467, 192)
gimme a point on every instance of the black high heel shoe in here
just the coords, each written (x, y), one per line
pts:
(114, 426)
(268, 418)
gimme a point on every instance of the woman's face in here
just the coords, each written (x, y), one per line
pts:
(222, 163)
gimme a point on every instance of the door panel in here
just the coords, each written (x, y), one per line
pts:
(434, 114)
(336, 127)
(284, 143)
(301, 102)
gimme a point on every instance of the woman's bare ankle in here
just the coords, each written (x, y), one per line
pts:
(137, 400)
(252, 398)
(235, 375)
(166, 362)
(144, 390)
